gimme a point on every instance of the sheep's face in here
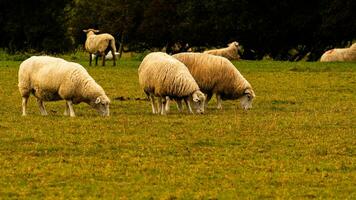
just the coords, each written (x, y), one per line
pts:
(246, 99)
(101, 104)
(198, 101)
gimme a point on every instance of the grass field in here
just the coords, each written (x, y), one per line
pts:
(298, 141)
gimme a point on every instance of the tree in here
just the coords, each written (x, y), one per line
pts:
(38, 25)
(269, 27)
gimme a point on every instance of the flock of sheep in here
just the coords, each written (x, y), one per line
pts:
(190, 77)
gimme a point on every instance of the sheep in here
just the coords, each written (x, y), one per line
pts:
(342, 54)
(99, 45)
(162, 76)
(217, 75)
(51, 79)
(230, 52)
(177, 47)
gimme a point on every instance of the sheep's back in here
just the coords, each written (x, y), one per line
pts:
(48, 73)
(163, 75)
(98, 43)
(213, 52)
(334, 55)
(211, 72)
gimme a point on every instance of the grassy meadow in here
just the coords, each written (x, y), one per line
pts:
(297, 142)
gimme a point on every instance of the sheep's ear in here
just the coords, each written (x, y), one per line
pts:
(85, 31)
(98, 100)
(96, 31)
(247, 91)
(195, 98)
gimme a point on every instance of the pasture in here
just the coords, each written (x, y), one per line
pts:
(298, 141)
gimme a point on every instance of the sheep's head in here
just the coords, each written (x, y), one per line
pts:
(101, 104)
(353, 46)
(234, 44)
(90, 31)
(198, 100)
(247, 98)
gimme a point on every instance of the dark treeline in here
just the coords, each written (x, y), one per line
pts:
(285, 30)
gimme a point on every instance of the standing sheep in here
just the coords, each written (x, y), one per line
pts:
(231, 52)
(217, 75)
(343, 54)
(52, 79)
(99, 45)
(163, 76)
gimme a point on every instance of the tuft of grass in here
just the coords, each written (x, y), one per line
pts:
(20, 56)
(297, 142)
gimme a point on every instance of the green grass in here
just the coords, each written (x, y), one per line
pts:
(297, 142)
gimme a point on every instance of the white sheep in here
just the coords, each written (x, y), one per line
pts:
(231, 52)
(217, 75)
(99, 45)
(162, 76)
(342, 54)
(52, 79)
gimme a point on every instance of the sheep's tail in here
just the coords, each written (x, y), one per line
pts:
(112, 44)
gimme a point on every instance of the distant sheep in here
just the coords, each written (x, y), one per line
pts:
(343, 54)
(217, 75)
(231, 52)
(52, 79)
(99, 45)
(177, 47)
(162, 76)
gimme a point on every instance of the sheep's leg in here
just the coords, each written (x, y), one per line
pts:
(70, 107)
(179, 105)
(153, 104)
(103, 55)
(96, 60)
(158, 111)
(208, 97)
(24, 105)
(218, 99)
(42, 107)
(167, 104)
(162, 103)
(66, 110)
(90, 59)
(187, 103)
(113, 57)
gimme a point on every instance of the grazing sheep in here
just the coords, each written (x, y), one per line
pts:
(52, 79)
(230, 52)
(163, 76)
(217, 75)
(99, 45)
(343, 54)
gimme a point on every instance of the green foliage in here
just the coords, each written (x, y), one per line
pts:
(38, 25)
(297, 142)
(269, 27)
(4, 56)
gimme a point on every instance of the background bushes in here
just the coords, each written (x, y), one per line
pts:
(283, 30)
